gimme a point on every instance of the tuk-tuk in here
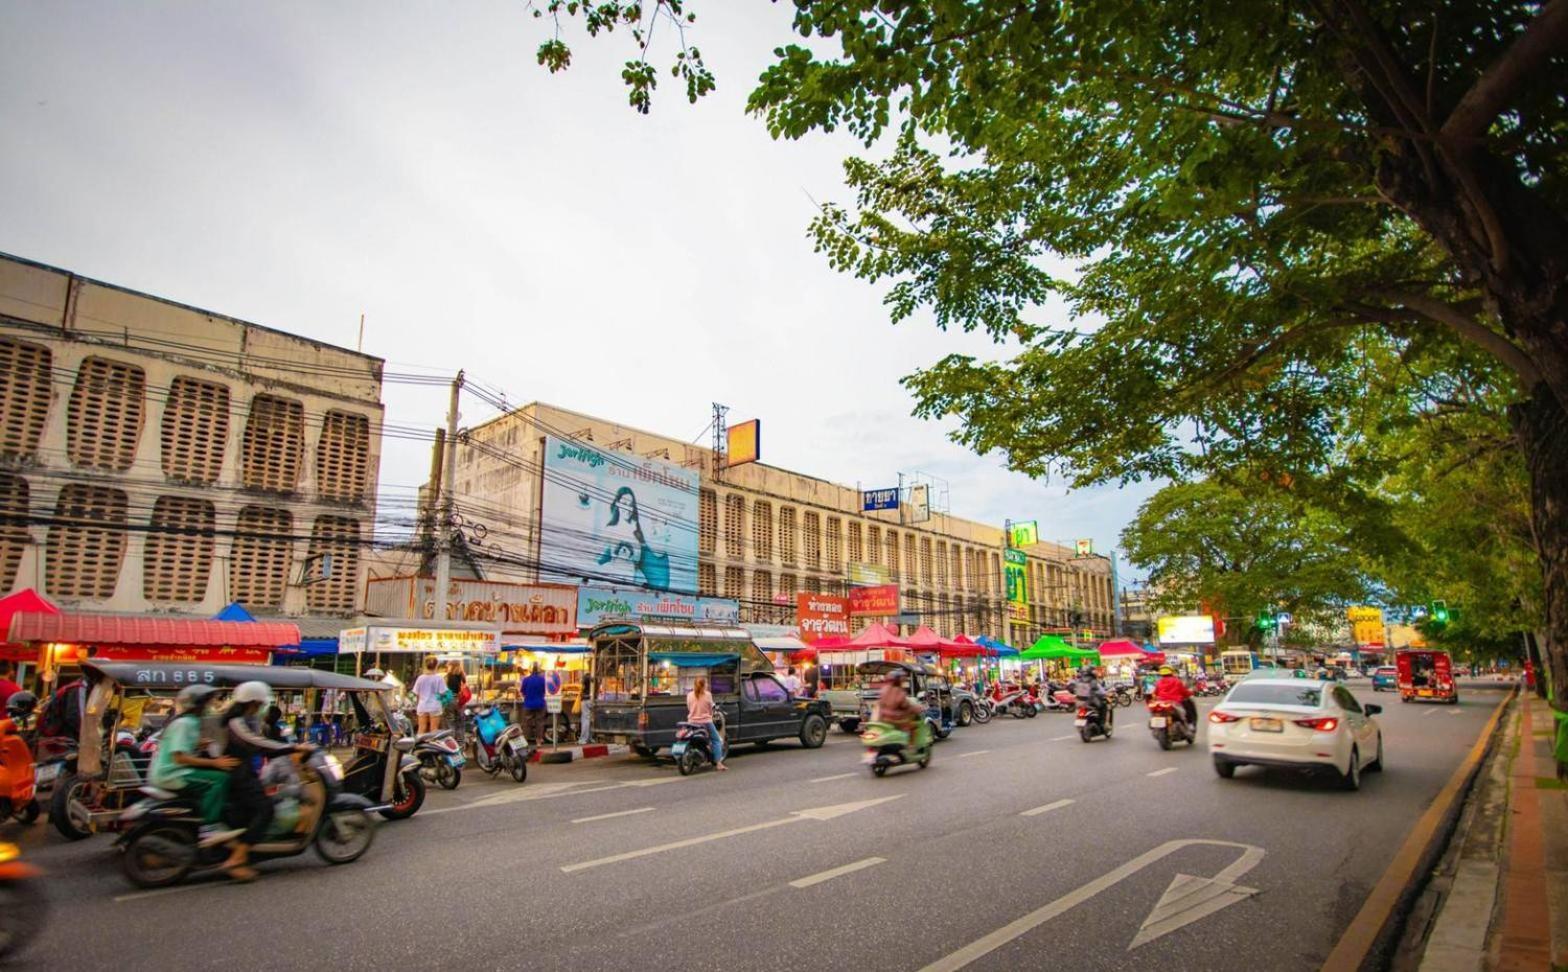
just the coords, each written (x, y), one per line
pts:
(1426, 674)
(924, 683)
(126, 696)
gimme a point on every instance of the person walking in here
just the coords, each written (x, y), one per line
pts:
(427, 695)
(585, 704)
(533, 707)
(699, 709)
(457, 689)
(792, 681)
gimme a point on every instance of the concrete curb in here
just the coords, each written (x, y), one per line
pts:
(567, 754)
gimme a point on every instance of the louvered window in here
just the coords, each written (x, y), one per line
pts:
(735, 526)
(762, 587)
(195, 430)
(734, 582)
(259, 558)
(87, 542)
(910, 562)
(787, 585)
(274, 444)
(343, 457)
(813, 585)
(925, 561)
(106, 414)
(336, 537)
(811, 531)
(705, 581)
(708, 513)
(956, 555)
(873, 545)
(787, 534)
(178, 555)
(857, 549)
(24, 397)
(941, 564)
(762, 531)
(13, 527)
(892, 554)
(835, 540)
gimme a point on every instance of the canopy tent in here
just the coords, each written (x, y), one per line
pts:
(235, 612)
(1120, 647)
(998, 649)
(27, 601)
(1054, 648)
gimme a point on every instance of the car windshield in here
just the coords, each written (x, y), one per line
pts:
(1263, 693)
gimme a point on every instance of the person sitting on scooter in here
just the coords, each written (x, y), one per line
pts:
(248, 801)
(1091, 691)
(1170, 688)
(894, 706)
(179, 765)
(699, 709)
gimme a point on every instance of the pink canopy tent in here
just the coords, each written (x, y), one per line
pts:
(26, 601)
(877, 635)
(1122, 648)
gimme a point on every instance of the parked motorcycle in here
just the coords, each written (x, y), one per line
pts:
(18, 775)
(984, 710)
(441, 759)
(1091, 724)
(1009, 700)
(1168, 723)
(1061, 700)
(693, 747)
(23, 907)
(498, 744)
(887, 747)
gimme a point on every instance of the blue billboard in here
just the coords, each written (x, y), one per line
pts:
(879, 499)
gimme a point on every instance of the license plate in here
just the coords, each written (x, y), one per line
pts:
(1266, 725)
(1158, 722)
(1425, 692)
(1080, 723)
(677, 749)
(457, 760)
(46, 774)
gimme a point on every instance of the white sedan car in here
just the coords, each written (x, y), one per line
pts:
(1296, 723)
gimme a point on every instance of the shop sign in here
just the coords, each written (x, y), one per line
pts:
(386, 639)
(1025, 534)
(876, 602)
(869, 575)
(517, 609)
(879, 499)
(1016, 570)
(1366, 625)
(596, 604)
(161, 653)
(1085, 548)
(822, 616)
(1186, 629)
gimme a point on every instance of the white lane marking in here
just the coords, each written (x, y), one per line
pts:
(158, 892)
(1428, 712)
(978, 752)
(1162, 772)
(1071, 735)
(836, 776)
(815, 813)
(1059, 804)
(981, 947)
(832, 873)
(618, 813)
(540, 791)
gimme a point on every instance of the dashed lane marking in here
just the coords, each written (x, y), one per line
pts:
(834, 872)
(1162, 772)
(618, 813)
(835, 776)
(1059, 804)
(978, 752)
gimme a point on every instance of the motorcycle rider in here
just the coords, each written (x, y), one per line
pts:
(1170, 688)
(894, 706)
(178, 763)
(1091, 691)
(248, 801)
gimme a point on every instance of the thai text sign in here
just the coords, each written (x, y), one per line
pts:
(388, 639)
(617, 518)
(869, 575)
(875, 602)
(596, 604)
(822, 616)
(1366, 625)
(1016, 570)
(879, 499)
(1023, 534)
(529, 609)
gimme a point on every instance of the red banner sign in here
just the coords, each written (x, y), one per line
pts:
(880, 601)
(822, 616)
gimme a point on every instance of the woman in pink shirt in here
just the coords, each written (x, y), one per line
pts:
(699, 709)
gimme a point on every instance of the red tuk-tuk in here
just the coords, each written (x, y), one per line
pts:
(1426, 674)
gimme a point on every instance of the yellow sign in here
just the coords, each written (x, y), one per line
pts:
(1366, 625)
(743, 443)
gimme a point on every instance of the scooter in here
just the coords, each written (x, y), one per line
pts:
(161, 845)
(1090, 724)
(1008, 700)
(23, 907)
(1168, 723)
(693, 747)
(498, 744)
(1061, 700)
(887, 747)
(440, 758)
(18, 776)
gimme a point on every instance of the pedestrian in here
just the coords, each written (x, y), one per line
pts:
(699, 709)
(8, 688)
(428, 689)
(791, 681)
(457, 688)
(585, 703)
(533, 706)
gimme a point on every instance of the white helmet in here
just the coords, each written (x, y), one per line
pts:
(247, 692)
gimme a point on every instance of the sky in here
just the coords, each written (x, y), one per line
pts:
(298, 164)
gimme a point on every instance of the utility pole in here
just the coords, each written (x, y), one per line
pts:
(1007, 607)
(446, 503)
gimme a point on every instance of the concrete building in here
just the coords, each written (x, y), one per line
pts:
(767, 533)
(159, 458)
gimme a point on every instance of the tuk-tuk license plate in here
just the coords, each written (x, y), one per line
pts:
(1266, 725)
(1080, 723)
(46, 774)
(1157, 722)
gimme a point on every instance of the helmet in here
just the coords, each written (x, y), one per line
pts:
(194, 698)
(1167, 670)
(1086, 671)
(21, 703)
(248, 692)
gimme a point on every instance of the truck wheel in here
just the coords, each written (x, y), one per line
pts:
(813, 731)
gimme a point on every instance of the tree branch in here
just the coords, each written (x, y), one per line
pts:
(1546, 35)
(1476, 333)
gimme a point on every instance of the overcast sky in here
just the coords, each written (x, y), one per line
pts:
(297, 164)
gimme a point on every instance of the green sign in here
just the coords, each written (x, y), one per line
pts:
(1023, 534)
(1016, 571)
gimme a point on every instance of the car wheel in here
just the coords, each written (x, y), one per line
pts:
(1352, 778)
(1376, 766)
(813, 731)
(966, 714)
(1225, 768)
(644, 751)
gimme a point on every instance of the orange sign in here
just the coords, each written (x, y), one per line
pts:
(743, 443)
(880, 601)
(822, 616)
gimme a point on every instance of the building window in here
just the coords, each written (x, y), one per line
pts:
(337, 537)
(813, 585)
(24, 397)
(941, 564)
(86, 542)
(873, 545)
(892, 554)
(708, 516)
(259, 557)
(944, 621)
(787, 534)
(925, 562)
(857, 547)
(705, 580)
(910, 562)
(996, 571)
(762, 531)
(195, 430)
(734, 583)
(14, 536)
(762, 594)
(343, 457)
(178, 556)
(811, 529)
(106, 414)
(274, 444)
(735, 526)
(835, 545)
(956, 566)
(787, 585)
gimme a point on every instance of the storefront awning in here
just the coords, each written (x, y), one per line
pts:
(112, 629)
(693, 659)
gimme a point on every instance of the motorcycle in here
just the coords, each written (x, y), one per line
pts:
(1061, 700)
(1120, 694)
(1168, 723)
(18, 776)
(984, 710)
(693, 747)
(440, 758)
(161, 845)
(23, 906)
(1009, 700)
(498, 744)
(1090, 724)
(887, 746)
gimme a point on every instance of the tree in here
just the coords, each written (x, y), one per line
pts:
(1257, 198)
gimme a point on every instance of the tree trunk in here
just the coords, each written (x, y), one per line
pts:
(1541, 425)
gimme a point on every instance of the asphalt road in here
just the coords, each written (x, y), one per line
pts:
(1018, 836)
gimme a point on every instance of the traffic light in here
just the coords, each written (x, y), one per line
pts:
(1267, 622)
(1440, 612)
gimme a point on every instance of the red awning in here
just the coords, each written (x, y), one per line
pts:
(120, 629)
(26, 601)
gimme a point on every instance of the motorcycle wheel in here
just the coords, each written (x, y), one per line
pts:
(448, 776)
(1087, 735)
(28, 815)
(1031, 711)
(345, 836)
(519, 768)
(879, 769)
(1017, 711)
(66, 792)
(408, 795)
(23, 909)
(159, 856)
(494, 767)
(982, 714)
(925, 760)
(1164, 739)
(689, 761)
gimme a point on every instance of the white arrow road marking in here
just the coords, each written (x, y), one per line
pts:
(832, 873)
(1162, 772)
(618, 813)
(815, 813)
(1059, 804)
(981, 947)
(1185, 901)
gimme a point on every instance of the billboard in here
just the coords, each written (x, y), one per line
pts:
(1023, 534)
(1085, 548)
(617, 518)
(1186, 629)
(1366, 625)
(526, 609)
(595, 604)
(919, 503)
(822, 616)
(743, 443)
(879, 499)
(1015, 568)
(880, 601)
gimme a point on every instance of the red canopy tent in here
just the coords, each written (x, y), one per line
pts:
(26, 601)
(876, 635)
